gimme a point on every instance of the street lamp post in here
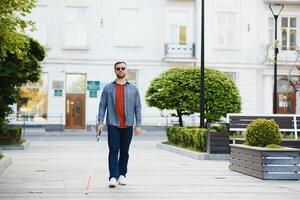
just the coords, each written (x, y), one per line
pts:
(276, 10)
(202, 69)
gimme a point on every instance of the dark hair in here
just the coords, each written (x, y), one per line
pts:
(119, 62)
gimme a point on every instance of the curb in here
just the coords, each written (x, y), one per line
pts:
(5, 162)
(192, 154)
(22, 146)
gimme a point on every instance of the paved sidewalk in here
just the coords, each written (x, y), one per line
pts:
(57, 168)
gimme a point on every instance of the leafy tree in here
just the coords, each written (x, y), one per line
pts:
(179, 89)
(14, 72)
(19, 54)
(12, 23)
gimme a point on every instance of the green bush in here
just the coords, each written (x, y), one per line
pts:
(192, 138)
(274, 146)
(262, 132)
(219, 128)
(11, 135)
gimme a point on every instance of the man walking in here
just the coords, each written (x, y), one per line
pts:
(122, 102)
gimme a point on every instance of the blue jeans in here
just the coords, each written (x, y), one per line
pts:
(119, 140)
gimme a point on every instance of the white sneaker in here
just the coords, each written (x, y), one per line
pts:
(112, 183)
(122, 180)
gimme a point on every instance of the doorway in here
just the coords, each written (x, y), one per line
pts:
(286, 97)
(75, 101)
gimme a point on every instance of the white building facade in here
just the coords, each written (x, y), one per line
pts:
(83, 39)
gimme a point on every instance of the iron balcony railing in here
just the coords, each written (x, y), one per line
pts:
(173, 50)
(284, 56)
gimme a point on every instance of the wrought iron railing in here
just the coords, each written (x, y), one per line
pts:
(173, 50)
(35, 121)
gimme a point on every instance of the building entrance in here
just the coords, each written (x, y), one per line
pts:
(286, 97)
(75, 101)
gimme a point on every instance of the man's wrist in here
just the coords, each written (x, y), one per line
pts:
(100, 122)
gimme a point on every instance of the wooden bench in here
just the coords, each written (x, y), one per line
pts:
(286, 122)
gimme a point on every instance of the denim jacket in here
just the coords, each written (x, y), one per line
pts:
(132, 105)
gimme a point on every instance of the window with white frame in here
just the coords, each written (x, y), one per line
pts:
(40, 15)
(177, 34)
(34, 100)
(128, 27)
(271, 30)
(226, 24)
(177, 27)
(76, 28)
(132, 76)
(288, 33)
(231, 75)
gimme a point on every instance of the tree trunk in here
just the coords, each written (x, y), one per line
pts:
(179, 114)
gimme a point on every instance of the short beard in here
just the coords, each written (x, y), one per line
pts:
(120, 76)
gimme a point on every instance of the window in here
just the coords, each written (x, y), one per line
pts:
(128, 27)
(177, 27)
(132, 76)
(76, 28)
(288, 33)
(178, 34)
(271, 30)
(227, 30)
(182, 34)
(284, 86)
(76, 84)
(226, 24)
(39, 15)
(34, 100)
(231, 75)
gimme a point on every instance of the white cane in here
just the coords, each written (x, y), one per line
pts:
(93, 166)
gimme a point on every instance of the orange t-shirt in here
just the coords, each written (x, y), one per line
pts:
(120, 105)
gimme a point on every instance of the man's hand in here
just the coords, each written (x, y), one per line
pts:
(138, 131)
(99, 128)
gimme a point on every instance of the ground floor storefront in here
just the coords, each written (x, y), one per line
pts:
(68, 93)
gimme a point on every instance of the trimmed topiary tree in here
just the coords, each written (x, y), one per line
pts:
(179, 89)
(263, 132)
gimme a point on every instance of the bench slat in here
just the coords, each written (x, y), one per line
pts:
(241, 122)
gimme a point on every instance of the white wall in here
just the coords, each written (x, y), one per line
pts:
(247, 58)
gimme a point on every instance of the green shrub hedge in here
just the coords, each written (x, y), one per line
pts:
(263, 132)
(188, 137)
(11, 135)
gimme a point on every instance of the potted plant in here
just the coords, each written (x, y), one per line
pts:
(261, 156)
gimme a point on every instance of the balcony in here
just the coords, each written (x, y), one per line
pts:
(284, 56)
(179, 52)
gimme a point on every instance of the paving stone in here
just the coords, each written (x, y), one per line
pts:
(58, 167)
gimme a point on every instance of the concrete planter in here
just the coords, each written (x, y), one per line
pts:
(22, 146)
(193, 154)
(265, 163)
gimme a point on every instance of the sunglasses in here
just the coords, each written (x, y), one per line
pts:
(119, 68)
